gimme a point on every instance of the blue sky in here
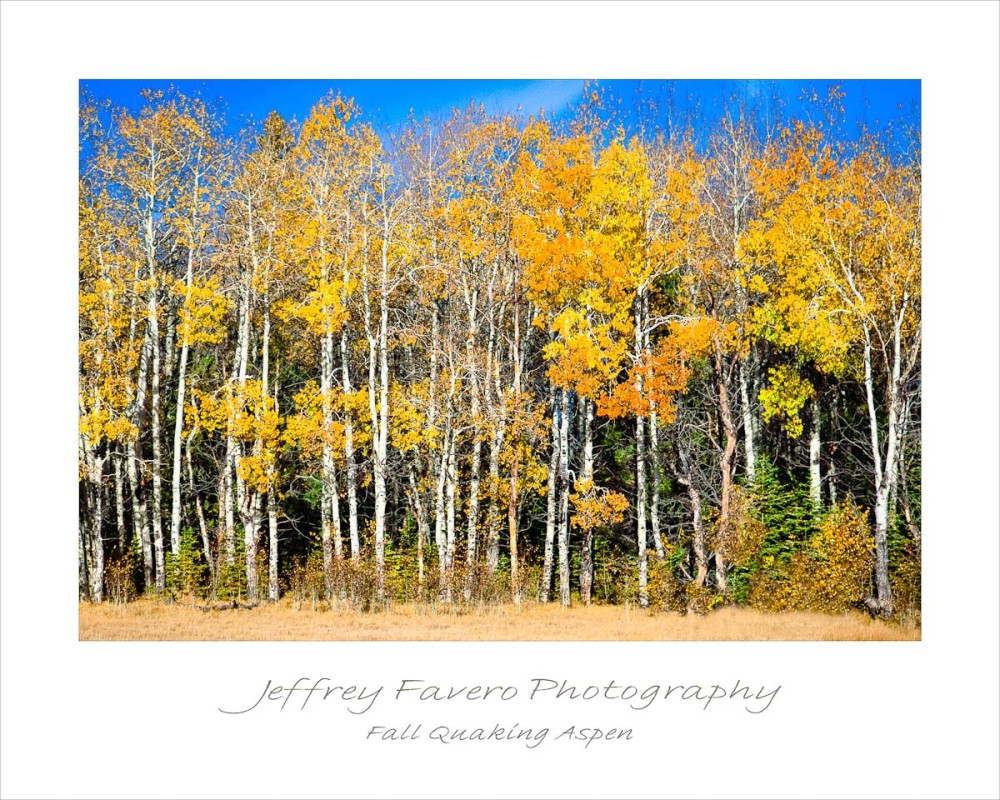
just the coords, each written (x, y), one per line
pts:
(389, 102)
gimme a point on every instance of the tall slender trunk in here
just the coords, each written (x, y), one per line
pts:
(97, 535)
(555, 401)
(83, 555)
(330, 538)
(253, 589)
(84, 529)
(435, 460)
(477, 444)
(95, 543)
(563, 533)
(640, 466)
(169, 345)
(378, 398)
(94, 463)
(451, 490)
(120, 505)
(440, 540)
(137, 492)
(886, 472)
(831, 476)
(515, 578)
(234, 495)
(200, 512)
(251, 514)
(497, 417)
(748, 420)
(587, 545)
(726, 468)
(175, 476)
(420, 514)
(157, 508)
(654, 445)
(248, 500)
(352, 467)
(815, 476)
(383, 424)
(472, 550)
(140, 519)
(493, 514)
(686, 478)
(272, 539)
(227, 515)
(908, 515)
(654, 506)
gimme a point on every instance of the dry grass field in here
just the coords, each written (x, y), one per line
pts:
(145, 620)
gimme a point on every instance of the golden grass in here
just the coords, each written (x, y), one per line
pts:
(145, 620)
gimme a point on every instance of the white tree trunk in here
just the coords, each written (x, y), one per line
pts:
(228, 517)
(137, 494)
(157, 518)
(247, 500)
(517, 351)
(497, 422)
(378, 398)
(477, 444)
(440, 539)
(493, 516)
(725, 526)
(95, 470)
(882, 488)
(550, 509)
(352, 467)
(330, 537)
(272, 538)
(654, 506)
(175, 477)
(563, 533)
(640, 471)
(420, 514)
(654, 445)
(140, 519)
(83, 556)
(748, 421)
(815, 476)
(120, 505)
(587, 545)
(451, 490)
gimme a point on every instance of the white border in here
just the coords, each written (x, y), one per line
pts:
(139, 720)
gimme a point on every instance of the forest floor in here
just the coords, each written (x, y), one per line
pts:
(147, 619)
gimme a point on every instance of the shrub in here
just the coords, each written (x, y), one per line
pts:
(306, 581)
(842, 559)
(905, 579)
(830, 571)
(119, 578)
(186, 570)
(231, 577)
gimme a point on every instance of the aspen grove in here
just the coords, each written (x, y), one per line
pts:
(491, 359)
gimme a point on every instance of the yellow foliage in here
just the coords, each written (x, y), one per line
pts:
(842, 556)
(203, 313)
(407, 406)
(784, 397)
(830, 573)
(308, 430)
(596, 507)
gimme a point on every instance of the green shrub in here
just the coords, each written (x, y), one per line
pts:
(187, 570)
